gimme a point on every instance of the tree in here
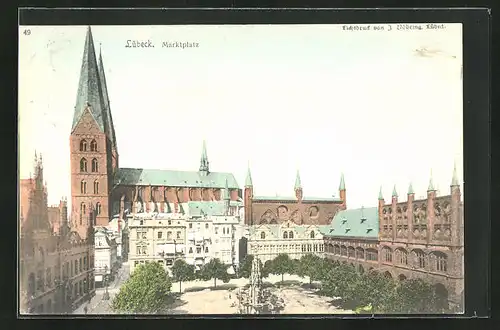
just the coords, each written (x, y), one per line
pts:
(216, 270)
(246, 266)
(145, 292)
(338, 280)
(415, 296)
(310, 265)
(375, 290)
(182, 271)
(281, 265)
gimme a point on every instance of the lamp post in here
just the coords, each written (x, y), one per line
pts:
(106, 293)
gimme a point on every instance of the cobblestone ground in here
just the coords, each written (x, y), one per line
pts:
(99, 306)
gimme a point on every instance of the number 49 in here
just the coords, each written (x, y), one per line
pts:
(27, 32)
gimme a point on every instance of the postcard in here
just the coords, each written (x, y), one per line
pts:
(241, 169)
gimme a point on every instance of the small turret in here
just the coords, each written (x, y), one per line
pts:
(342, 191)
(248, 180)
(431, 184)
(454, 180)
(204, 164)
(298, 187)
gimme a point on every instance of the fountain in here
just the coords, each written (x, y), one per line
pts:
(255, 299)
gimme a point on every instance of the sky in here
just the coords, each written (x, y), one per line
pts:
(278, 98)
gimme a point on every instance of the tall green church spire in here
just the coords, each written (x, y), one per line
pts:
(226, 195)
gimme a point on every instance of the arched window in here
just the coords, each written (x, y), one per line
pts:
(387, 253)
(83, 187)
(440, 261)
(290, 234)
(262, 235)
(419, 258)
(98, 208)
(285, 235)
(95, 167)
(83, 165)
(360, 253)
(402, 256)
(93, 145)
(83, 145)
(83, 210)
(336, 249)
(351, 253)
(343, 250)
(312, 234)
(96, 187)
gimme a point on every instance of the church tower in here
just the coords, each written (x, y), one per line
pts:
(93, 151)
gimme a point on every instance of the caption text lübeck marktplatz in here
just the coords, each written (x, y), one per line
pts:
(164, 44)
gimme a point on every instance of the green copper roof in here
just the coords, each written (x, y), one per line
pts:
(107, 109)
(454, 180)
(394, 192)
(248, 181)
(298, 184)
(410, 190)
(299, 229)
(431, 184)
(206, 208)
(146, 177)
(89, 88)
(362, 222)
(380, 195)
(321, 199)
(204, 158)
(342, 182)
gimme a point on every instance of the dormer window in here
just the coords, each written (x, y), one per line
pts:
(368, 230)
(363, 219)
(344, 220)
(83, 145)
(347, 230)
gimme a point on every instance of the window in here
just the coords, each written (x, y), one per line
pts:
(343, 251)
(83, 187)
(76, 267)
(169, 235)
(93, 145)
(190, 250)
(95, 167)
(303, 248)
(360, 253)
(96, 187)
(206, 226)
(401, 257)
(206, 249)
(83, 145)
(311, 235)
(141, 222)
(321, 247)
(216, 230)
(309, 248)
(262, 235)
(198, 249)
(178, 234)
(83, 210)
(190, 225)
(285, 235)
(80, 265)
(136, 263)
(223, 230)
(141, 250)
(290, 234)
(160, 234)
(169, 222)
(98, 208)
(387, 253)
(371, 255)
(440, 261)
(83, 165)
(315, 248)
(85, 264)
(351, 252)
(420, 258)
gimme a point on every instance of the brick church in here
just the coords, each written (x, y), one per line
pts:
(99, 186)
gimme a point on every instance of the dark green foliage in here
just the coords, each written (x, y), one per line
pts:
(147, 291)
(416, 296)
(309, 265)
(214, 270)
(181, 271)
(280, 265)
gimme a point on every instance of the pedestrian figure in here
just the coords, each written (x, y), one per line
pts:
(85, 309)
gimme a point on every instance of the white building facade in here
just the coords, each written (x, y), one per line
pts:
(267, 241)
(120, 232)
(106, 259)
(205, 230)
